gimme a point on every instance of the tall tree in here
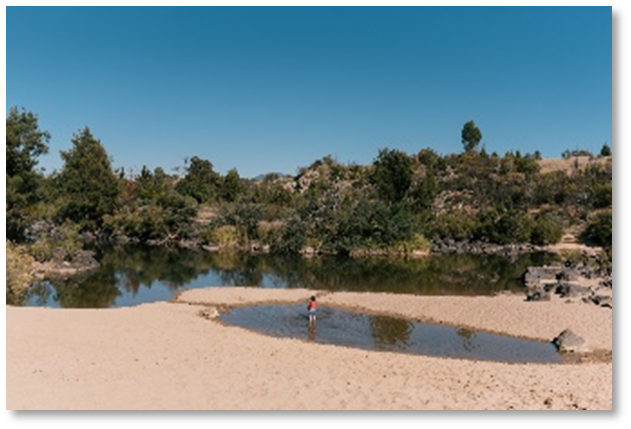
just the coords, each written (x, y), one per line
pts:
(89, 185)
(471, 136)
(201, 181)
(25, 142)
(392, 174)
(231, 186)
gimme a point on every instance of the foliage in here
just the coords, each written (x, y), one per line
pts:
(200, 182)
(392, 174)
(153, 210)
(547, 229)
(25, 142)
(231, 186)
(394, 204)
(63, 239)
(225, 236)
(90, 187)
(18, 275)
(606, 150)
(599, 230)
(471, 136)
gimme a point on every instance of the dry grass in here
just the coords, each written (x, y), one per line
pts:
(568, 165)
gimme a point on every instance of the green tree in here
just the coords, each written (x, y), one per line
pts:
(200, 182)
(392, 174)
(25, 142)
(547, 229)
(606, 150)
(90, 188)
(471, 136)
(231, 186)
(599, 230)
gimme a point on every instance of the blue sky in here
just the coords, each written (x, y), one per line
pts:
(273, 89)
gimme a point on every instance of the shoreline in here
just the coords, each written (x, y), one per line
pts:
(507, 315)
(168, 356)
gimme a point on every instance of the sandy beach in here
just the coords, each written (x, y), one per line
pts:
(168, 356)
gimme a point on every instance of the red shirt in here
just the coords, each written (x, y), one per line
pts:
(312, 305)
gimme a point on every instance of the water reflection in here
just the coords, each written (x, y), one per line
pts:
(384, 333)
(390, 333)
(130, 275)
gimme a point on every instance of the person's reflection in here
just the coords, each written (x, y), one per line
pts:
(312, 331)
(468, 338)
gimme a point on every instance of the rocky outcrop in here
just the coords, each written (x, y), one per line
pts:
(571, 281)
(65, 265)
(539, 276)
(450, 246)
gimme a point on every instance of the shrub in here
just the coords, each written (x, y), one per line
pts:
(226, 236)
(19, 277)
(599, 230)
(547, 229)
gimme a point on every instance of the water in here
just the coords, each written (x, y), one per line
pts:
(132, 275)
(384, 333)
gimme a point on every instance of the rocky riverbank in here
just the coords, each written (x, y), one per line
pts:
(572, 281)
(65, 265)
(448, 246)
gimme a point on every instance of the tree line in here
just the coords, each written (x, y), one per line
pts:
(399, 203)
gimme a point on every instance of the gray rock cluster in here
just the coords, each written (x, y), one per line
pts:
(449, 246)
(564, 280)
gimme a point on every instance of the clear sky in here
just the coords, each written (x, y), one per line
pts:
(273, 89)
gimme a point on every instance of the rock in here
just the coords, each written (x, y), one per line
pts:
(603, 301)
(572, 290)
(209, 313)
(568, 341)
(63, 265)
(37, 229)
(569, 274)
(538, 295)
(535, 276)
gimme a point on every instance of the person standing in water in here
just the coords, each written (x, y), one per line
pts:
(311, 307)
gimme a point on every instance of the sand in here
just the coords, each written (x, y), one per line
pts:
(166, 356)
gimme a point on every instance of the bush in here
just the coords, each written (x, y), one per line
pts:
(226, 236)
(19, 277)
(599, 231)
(455, 225)
(503, 227)
(547, 229)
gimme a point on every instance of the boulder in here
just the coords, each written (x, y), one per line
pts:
(209, 313)
(538, 275)
(569, 274)
(568, 341)
(603, 301)
(572, 290)
(538, 295)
